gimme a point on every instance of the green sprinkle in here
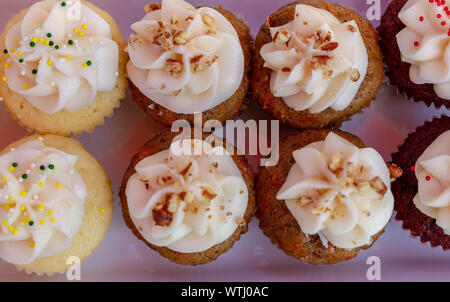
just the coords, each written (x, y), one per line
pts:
(31, 223)
(21, 60)
(34, 71)
(51, 43)
(56, 46)
(15, 165)
(63, 4)
(42, 167)
(70, 42)
(89, 63)
(49, 35)
(32, 44)
(51, 167)
(5, 51)
(25, 176)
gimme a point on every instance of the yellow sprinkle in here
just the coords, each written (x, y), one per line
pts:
(11, 168)
(75, 30)
(81, 34)
(23, 193)
(84, 26)
(15, 231)
(7, 65)
(41, 206)
(19, 53)
(4, 179)
(102, 210)
(85, 65)
(58, 185)
(34, 40)
(49, 62)
(11, 228)
(32, 244)
(46, 42)
(5, 223)
(11, 199)
(22, 208)
(41, 184)
(12, 50)
(26, 87)
(7, 207)
(50, 212)
(4, 79)
(69, 58)
(41, 40)
(53, 219)
(42, 221)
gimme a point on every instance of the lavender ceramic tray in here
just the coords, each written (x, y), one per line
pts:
(122, 257)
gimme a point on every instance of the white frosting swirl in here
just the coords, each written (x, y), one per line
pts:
(42, 211)
(433, 175)
(185, 59)
(424, 44)
(338, 191)
(203, 198)
(71, 61)
(317, 62)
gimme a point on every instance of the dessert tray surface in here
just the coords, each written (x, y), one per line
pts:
(122, 257)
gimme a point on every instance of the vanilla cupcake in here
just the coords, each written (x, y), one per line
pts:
(191, 207)
(63, 67)
(186, 60)
(327, 198)
(55, 203)
(316, 64)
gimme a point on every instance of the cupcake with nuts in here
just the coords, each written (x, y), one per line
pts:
(186, 60)
(188, 199)
(422, 194)
(61, 72)
(55, 203)
(316, 64)
(416, 51)
(327, 198)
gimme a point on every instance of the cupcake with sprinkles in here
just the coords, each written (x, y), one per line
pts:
(416, 35)
(63, 66)
(55, 203)
(316, 64)
(186, 60)
(422, 194)
(188, 199)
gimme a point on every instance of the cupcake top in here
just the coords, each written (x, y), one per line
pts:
(339, 191)
(58, 59)
(424, 43)
(317, 62)
(432, 170)
(42, 202)
(187, 203)
(185, 59)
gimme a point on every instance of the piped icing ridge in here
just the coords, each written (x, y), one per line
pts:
(187, 203)
(185, 59)
(317, 62)
(432, 170)
(339, 191)
(41, 202)
(424, 44)
(60, 61)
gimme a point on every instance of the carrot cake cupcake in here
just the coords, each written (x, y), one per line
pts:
(63, 67)
(186, 60)
(327, 198)
(55, 203)
(189, 208)
(415, 35)
(316, 64)
(422, 194)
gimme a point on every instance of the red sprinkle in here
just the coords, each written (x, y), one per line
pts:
(416, 43)
(413, 168)
(438, 16)
(446, 8)
(443, 23)
(421, 19)
(428, 178)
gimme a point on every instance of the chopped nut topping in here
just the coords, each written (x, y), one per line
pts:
(189, 198)
(319, 61)
(162, 180)
(210, 22)
(208, 193)
(201, 62)
(304, 200)
(286, 69)
(189, 19)
(174, 201)
(174, 67)
(355, 75)
(163, 38)
(378, 185)
(151, 7)
(213, 167)
(394, 170)
(184, 168)
(366, 212)
(282, 37)
(336, 162)
(240, 221)
(330, 46)
(180, 38)
(351, 28)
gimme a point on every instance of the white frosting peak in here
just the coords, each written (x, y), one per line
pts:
(338, 191)
(60, 62)
(187, 203)
(433, 176)
(41, 202)
(424, 44)
(185, 59)
(317, 62)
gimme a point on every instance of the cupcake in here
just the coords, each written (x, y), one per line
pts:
(189, 208)
(415, 35)
(55, 203)
(422, 194)
(186, 60)
(327, 198)
(316, 64)
(63, 67)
